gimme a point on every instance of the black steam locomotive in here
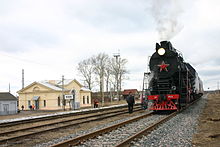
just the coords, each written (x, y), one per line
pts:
(172, 83)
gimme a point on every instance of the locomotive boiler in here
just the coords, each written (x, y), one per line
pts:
(172, 83)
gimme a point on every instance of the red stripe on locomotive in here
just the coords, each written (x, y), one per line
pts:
(168, 104)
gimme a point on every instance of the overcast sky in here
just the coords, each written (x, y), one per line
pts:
(47, 38)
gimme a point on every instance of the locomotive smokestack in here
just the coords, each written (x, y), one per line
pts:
(163, 42)
(166, 44)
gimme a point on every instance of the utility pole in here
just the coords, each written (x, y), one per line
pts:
(9, 88)
(110, 91)
(120, 74)
(64, 102)
(218, 87)
(102, 93)
(117, 55)
(22, 78)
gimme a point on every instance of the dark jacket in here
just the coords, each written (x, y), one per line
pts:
(130, 99)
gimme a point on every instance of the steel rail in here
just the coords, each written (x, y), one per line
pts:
(146, 131)
(44, 118)
(28, 134)
(78, 140)
(58, 122)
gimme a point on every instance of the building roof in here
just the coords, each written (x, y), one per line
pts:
(65, 82)
(6, 96)
(56, 84)
(127, 91)
(85, 89)
(49, 85)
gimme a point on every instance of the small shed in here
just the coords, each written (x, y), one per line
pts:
(8, 103)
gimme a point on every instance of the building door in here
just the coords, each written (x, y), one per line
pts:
(72, 102)
(5, 108)
(36, 104)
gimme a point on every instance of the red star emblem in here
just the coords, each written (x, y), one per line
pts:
(163, 66)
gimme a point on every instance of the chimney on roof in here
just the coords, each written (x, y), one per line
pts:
(53, 82)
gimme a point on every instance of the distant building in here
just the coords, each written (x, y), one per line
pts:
(47, 95)
(134, 92)
(108, 96)
(8, 103)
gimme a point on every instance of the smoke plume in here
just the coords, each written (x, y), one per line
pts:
(166, 14)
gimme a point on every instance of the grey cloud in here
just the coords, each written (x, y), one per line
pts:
(116, 16)
(22, 38)
(200, 46)
(213, 72)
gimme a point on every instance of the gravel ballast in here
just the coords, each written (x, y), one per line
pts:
(55, 141)
(178, 131)
(116, 136)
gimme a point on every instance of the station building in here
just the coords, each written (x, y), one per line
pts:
(49, 95)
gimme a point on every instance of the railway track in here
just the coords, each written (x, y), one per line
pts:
(110, 136)
(19, 133)
(82, 140)
(50, 117)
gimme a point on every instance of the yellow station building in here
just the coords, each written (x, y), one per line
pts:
(49, 95)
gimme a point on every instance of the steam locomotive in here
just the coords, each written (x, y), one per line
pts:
(172, 83)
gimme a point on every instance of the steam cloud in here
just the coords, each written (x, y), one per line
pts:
(166, 13)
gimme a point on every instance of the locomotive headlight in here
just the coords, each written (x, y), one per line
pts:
(173, 87)
(161, 51)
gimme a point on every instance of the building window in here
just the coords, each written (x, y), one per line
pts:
(44, 103)
(58, 101)
(29, 103)
(84, 101)
(87, 99)
(36, 89)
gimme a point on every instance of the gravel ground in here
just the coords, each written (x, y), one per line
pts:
(55, 141)
(116, 136)
(208, 130)
(177, 132)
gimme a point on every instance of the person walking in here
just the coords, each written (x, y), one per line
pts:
(22, 107)
(96, 103)
(33, 107)
(130, 101)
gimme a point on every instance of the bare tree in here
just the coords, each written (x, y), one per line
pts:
(101, 68)
(119, 70)
(109, 78)
(86, 69)
(122, 72)
(100, 63)
(108, 73)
